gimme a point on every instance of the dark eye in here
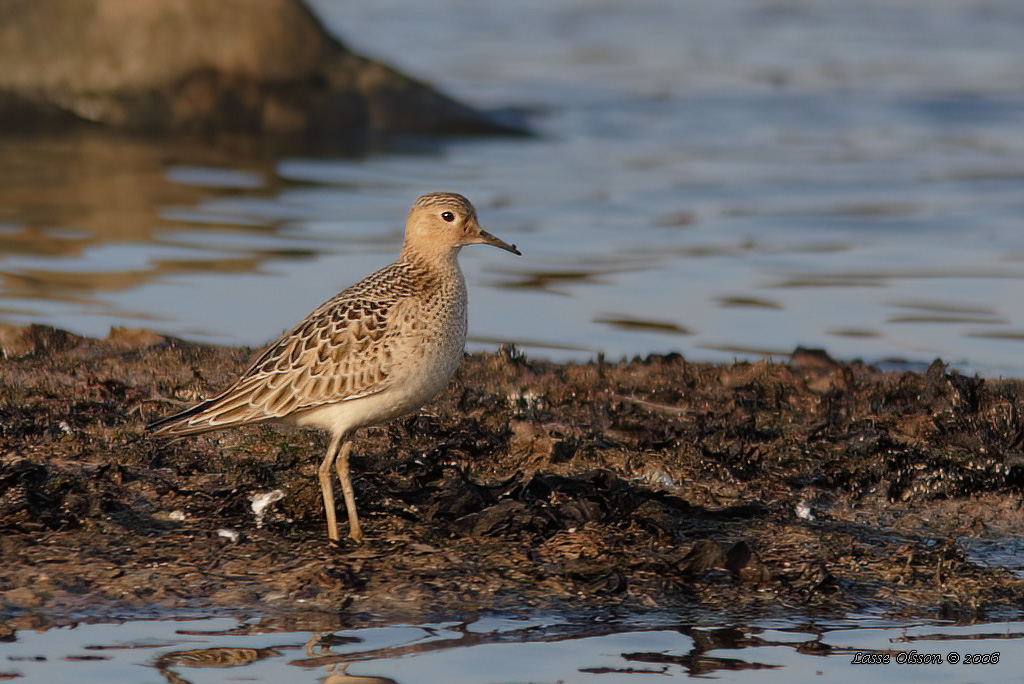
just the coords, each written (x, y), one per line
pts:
(448, 216)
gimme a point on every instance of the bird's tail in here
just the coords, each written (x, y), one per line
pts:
(180, 424)
(232, 408)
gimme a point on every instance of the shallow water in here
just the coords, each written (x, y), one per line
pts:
(501, 649)
(725, 179)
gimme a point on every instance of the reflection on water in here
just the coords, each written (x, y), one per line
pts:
(498, 649)
(206, 658)
(81, 222)
(628, 323)
(721, 179)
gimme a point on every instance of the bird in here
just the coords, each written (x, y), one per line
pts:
(377, 351)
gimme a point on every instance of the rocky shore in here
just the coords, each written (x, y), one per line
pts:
(808, 486)
(230, 69)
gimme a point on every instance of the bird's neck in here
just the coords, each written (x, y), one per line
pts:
(437, 260)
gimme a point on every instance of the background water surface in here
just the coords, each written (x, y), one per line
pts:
(728, 178)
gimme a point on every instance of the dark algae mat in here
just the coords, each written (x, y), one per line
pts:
(807, 486)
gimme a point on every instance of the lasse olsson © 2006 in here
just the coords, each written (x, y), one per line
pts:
(915, 658)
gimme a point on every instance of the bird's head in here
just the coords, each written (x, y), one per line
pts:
(444, 222)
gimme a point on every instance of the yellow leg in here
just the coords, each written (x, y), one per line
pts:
(327, 487)
(346, 488)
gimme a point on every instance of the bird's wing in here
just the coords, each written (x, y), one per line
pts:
(340, 351)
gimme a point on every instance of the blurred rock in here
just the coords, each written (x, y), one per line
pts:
(229, 66)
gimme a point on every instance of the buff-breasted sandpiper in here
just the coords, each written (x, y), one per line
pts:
(378, 350)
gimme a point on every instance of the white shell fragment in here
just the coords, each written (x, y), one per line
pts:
(261, 504)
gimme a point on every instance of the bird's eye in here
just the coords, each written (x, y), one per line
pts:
(448, 216)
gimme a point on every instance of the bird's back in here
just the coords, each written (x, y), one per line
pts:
(399, 332)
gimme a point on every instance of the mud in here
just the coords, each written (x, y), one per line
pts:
(809, 487)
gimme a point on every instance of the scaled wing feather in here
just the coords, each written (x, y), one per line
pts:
(342, 350)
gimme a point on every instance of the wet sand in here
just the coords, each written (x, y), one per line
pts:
(809, 486)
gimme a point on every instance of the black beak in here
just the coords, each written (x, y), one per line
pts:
(486, 238)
